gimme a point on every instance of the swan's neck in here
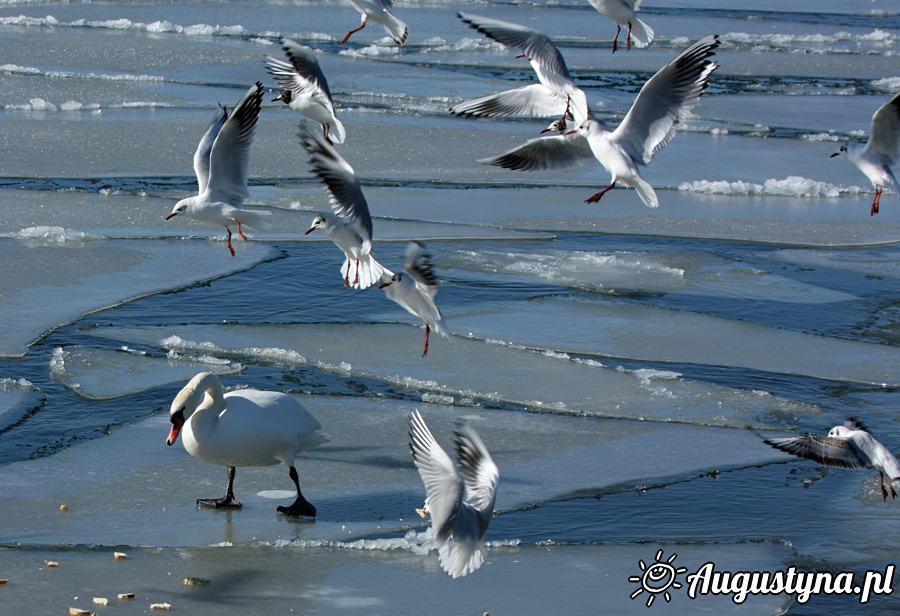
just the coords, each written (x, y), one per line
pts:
(206, 398)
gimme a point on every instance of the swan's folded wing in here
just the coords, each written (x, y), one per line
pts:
(665, 99)
(553, 152)
(831, 451)
(443, 483)
(534, 100)
(884, 138)
(477, 468)
(344, 190)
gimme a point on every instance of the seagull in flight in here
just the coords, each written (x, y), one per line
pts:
(349, 225)
(555, 95)
(666, 99)
(622, 12)
(222, 165)
(379, 11)
(305, 87)
(881, 151)
(847, 446)
(459, 523)
(415, 288)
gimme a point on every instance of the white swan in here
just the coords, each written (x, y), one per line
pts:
(249, 427)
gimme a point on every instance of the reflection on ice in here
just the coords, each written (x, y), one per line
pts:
(83, 370)
(471, 372)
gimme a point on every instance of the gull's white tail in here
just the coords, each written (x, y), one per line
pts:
(368, 273)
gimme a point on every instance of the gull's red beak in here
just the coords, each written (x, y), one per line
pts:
(170, 215)
(310, 230)
(177, 423)
(835, 154)
(381, 286)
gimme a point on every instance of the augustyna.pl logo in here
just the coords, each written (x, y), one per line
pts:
(661, 576)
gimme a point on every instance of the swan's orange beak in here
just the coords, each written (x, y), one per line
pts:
(177, 422)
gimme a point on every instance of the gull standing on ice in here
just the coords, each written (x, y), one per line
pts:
(350, 226)
(555, 95)
(379, 11)
(622, 12)
(248, 427)
(459, 524)
(882, 150)
(847, 446)
(415, 290)
(305, 87)
(222, 165)
(666, 99)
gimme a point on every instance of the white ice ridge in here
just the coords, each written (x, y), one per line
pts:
(275, 355)
(791, 186)
(15, 69)
(783, 40)
(416, 542)
(126, 24)
(53, 235)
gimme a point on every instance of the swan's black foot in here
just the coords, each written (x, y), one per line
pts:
(301, 507)
(219, 503)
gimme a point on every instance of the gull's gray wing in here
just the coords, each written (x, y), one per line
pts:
(884, 138)
(477, 468)
(204, 148)
(417, 263)
(551, 152)
(533, 44)
(532, 100)
(443, 483)
(831, 451)
(301, 72)
(229, 159)
(666, 99)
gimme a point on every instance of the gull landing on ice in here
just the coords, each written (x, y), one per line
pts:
(459, 499)
(415, 289)
(222, 165)
(881, 151)
(847, 446)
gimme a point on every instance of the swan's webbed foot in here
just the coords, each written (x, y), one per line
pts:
(226, 501)
(300, 508)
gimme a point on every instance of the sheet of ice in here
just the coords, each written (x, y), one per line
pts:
(628, 330)
(870, 262)
(93, 274)
(628, 272)
(77, 367)
(18, 398)
(475, 372)
(546, 579)
(362, 481)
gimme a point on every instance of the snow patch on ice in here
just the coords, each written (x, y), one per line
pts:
(791, 186)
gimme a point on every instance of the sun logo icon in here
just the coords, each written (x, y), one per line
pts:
(658, 578)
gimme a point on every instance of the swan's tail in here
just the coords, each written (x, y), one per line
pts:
(396, 29)
(368, 273)
(641, 33)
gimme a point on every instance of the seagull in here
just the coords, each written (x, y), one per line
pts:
(459, 525)
(350, 226)
(847, 446)
(222, 165)
(379, 12)
(555, 95)
(882, 150)
(663, 101)
(622, 12)
(305, 88)
(415, 289)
